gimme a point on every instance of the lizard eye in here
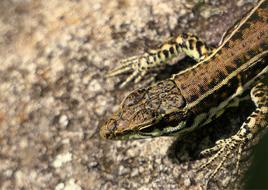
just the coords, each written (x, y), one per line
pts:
(143, 116)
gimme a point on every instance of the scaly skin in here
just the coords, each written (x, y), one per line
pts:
(209, 85)
(197, 95)
(145, 107)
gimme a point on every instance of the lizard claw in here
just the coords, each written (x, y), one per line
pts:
(138, 65)
(126, 65)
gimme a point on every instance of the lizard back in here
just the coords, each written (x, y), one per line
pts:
(234, 62)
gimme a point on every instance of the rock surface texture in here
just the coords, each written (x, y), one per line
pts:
(54, 94)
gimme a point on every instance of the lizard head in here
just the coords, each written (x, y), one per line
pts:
(148, 112)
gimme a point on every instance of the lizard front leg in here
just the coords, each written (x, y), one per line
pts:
(139, 65)
(253, 124)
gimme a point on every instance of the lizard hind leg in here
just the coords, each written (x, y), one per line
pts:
(253, 124)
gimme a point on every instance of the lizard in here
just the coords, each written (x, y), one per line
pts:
(197, 95)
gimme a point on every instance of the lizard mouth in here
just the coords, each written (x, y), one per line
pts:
(115, 129)
(119, 129)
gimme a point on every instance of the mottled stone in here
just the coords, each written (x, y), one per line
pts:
(54, 93)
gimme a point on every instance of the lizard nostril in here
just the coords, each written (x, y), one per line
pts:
(107, 130)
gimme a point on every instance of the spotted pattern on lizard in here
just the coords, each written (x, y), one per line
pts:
(196, 96)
